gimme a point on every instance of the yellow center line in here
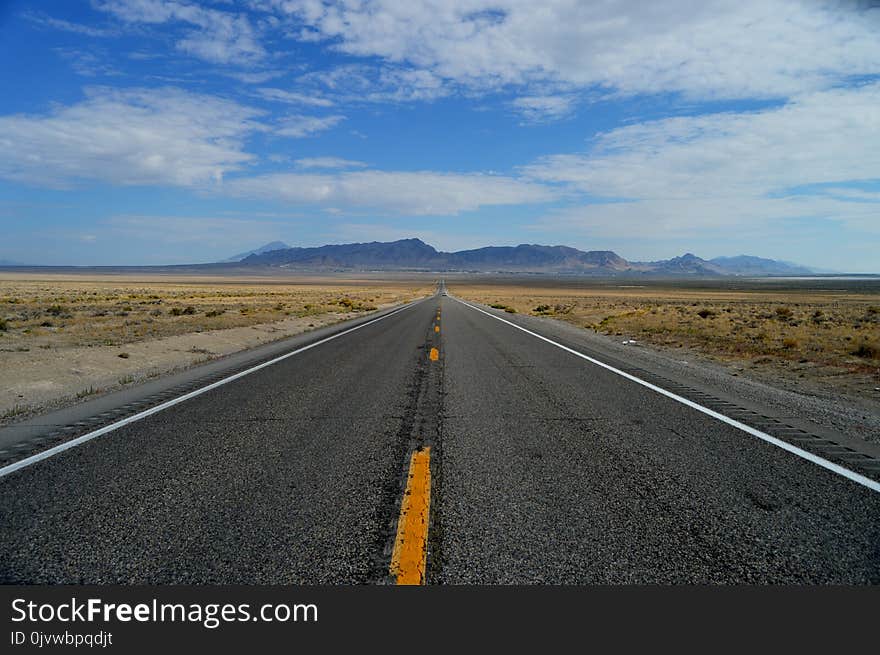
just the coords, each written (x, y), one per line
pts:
(409, 558)
(436, 328)
(435, 355)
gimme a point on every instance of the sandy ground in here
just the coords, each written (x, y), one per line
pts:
(39, 380)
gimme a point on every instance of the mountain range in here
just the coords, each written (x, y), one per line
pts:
(415, 254)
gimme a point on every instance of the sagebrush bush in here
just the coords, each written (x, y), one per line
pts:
(867, 350)
(784, 312)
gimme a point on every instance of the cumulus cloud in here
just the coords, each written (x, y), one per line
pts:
(299, 126)
(410, 192)
(816, 138)
(426, 49)
(215, 36)
(131, 136)
(171, 137)
(716, 171)
(717, 48)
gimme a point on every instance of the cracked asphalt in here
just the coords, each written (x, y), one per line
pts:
(547, 469)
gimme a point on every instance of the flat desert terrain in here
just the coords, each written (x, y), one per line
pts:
(66, 337)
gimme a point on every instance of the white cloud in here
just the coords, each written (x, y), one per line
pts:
(418, 192)
(172, 137)
(132, 136)
(292, 98)
(299, 126)
(328, 162)
(823, 137)
(717, 48)
(540, 109)
(722, 171)
(216, 36)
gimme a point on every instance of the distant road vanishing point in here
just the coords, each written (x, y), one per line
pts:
(441, 443)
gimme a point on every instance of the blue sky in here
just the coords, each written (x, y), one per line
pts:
(159, 131)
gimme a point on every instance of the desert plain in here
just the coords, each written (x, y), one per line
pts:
(65, 337)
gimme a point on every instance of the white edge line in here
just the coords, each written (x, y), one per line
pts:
(815, 459)
(33, 459)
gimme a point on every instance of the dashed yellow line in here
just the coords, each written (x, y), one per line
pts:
(434, 355)
(436, 328)
(409, 558)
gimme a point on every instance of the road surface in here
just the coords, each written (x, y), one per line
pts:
(545, 468)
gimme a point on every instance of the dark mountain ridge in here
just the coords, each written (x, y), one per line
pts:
(415, 254)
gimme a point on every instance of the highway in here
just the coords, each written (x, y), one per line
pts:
(544, 467)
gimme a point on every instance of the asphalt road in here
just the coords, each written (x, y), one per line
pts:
(545, 468)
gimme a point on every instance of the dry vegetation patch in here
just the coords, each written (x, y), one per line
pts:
(70, 311)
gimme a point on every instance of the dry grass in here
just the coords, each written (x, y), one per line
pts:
(66, 311)
(829, 333)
